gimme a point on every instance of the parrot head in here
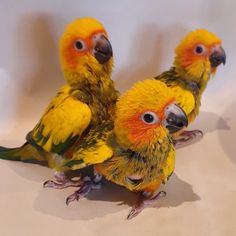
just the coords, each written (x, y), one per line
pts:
(85, 49)
(199, 52)
(146, 114)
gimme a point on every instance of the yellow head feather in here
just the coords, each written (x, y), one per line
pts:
(146, 96)
(199, 36)
(82, 28)
(80, 64)
(188, 61)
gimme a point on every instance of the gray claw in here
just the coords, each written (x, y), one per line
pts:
(142, 203)
(48, 184)
(134, 212)
(61, 185)
(84, 189)
(61, 182)
(72, 198)
(187, 138)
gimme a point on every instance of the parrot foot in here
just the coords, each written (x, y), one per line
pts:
(97, 178)
(85, 187)
(187, 138)
(143, 202)
(61, 182)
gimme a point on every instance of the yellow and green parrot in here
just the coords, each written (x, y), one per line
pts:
(87, 100)
(133, 150)
(136, 150)
(196, 60)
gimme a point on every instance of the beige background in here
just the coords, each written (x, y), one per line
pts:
(200, 196)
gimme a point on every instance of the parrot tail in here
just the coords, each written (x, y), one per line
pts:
(25, 153)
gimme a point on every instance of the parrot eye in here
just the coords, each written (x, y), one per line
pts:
(199, 49)
(149, 118)
(80, 45)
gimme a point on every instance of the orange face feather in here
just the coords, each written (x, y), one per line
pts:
(85, 51)
(130, 125)
(71, 54)
(78, 44)
(139, 131)
(194, 51)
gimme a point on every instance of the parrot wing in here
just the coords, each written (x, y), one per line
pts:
(64, 121)
(92, 149)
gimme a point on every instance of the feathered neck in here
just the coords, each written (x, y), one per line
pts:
(192, 74)
(159, 143)
(88, 77)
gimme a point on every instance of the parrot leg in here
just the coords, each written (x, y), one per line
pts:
(97, 178)
(143, 202)
(86, 186)
(188, 137)
(61, 182)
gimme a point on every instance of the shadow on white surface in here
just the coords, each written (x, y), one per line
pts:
(149, 50)
(31, 172)
(100, 203)
(151, 45)
(227, 139)
(38, 70)
(36, 43)
(210, 122)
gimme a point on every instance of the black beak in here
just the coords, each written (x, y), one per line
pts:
(176, 118)
(217, 57)
(103, 50)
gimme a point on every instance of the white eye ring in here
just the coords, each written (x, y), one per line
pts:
(150, 118)
(200, 49)
(79, 45)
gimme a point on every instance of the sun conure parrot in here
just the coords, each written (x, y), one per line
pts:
(196, 59)
(87, 100)
(136, 151)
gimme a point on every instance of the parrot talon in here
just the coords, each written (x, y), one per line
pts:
(84, 189)
(49, 184)
(62, 185)
(187, 138)
(86, 185)
(61, 182)
(143, 202)
(60, 177)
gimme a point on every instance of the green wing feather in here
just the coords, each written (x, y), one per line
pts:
(25, 153)
(65, 119)
(92, 149)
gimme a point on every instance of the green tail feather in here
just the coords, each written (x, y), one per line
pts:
(25, 153)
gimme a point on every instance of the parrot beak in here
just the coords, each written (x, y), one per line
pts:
(176, 118)
(103, 50)
(217, 57)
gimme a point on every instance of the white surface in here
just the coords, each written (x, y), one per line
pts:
(200, 196)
